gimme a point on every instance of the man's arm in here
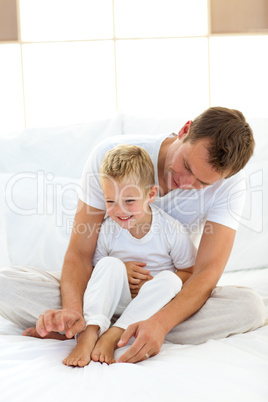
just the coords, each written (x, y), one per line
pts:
(76, 271)
(213, 253)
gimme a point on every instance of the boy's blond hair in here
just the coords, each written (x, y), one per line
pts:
(129, 163)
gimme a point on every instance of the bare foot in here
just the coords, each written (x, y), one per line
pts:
(52, 335)
(103, 351)
(80, 356)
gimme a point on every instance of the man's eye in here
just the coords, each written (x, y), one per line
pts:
(186, 167)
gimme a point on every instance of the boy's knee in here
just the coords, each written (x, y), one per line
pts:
(112, 263)
(169, 281)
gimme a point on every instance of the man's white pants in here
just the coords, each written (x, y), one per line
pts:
(27, 292)
(108, 294)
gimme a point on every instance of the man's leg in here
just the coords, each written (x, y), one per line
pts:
(27, 292)
(230, 310)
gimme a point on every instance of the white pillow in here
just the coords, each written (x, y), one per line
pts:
(62, 151)
(251, 242)
(39, 215)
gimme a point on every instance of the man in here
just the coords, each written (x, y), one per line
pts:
(207, 155)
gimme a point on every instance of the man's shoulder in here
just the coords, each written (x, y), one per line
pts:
(134, 139)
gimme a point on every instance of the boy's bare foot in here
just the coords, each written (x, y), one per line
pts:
(80, 356)
(52, 335)
(104, 349)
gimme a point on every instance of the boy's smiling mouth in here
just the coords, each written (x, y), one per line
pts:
(125, 218)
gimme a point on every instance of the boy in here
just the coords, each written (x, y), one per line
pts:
(134, 228)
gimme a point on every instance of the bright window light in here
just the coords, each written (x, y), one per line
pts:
(68, 83)
(11, 94)
(239, 67)
(160, 18)
(166, 77)
(58, 20)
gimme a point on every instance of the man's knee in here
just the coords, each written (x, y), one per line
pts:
(256, 310)
(248, 303)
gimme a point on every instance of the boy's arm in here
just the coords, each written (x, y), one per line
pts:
(76, 271)
(210, 262)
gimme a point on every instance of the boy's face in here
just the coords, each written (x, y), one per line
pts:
(126, 203)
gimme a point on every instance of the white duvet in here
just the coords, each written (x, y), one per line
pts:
(232, 369)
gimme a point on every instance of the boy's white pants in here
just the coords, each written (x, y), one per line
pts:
(108, 294)
(27, 292)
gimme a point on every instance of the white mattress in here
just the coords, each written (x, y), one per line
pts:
(232, 369)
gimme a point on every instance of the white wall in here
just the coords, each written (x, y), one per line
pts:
(78, 60)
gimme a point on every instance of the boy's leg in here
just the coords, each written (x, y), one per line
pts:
(108, 287)
(152, 297)
(107, 292)
(26, 292)
(230, 310)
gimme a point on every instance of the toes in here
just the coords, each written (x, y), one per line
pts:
(95, 357)
(83, 362)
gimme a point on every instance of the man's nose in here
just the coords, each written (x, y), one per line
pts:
(187, 182)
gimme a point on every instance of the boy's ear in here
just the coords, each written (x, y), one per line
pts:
(184, 130)
(152, 193)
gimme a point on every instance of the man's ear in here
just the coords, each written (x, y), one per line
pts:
(152, 194)
(184, 130)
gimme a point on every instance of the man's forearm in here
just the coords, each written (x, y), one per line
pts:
(76, 273)
(188, 301)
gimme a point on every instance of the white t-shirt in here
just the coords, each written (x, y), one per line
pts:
(221, 202)
(165, 247)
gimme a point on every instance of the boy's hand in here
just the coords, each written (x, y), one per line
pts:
(137, 275)
(134, 289)
(69, 321)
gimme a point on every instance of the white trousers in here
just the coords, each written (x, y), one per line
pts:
(108, 294)
(27, 292)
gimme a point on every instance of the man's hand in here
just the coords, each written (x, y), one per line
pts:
(149, 336)
(69, 321)
(137, 276)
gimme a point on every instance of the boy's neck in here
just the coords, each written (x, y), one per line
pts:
(142, 228)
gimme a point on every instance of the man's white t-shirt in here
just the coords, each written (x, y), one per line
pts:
(221, 202)
(165, 247)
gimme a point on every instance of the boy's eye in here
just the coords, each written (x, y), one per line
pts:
(129, 201)
(109, 202)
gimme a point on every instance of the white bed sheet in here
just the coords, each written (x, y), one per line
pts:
(232, 369)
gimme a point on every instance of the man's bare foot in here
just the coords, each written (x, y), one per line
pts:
(52, 335)
(104, 349)
(86, 341)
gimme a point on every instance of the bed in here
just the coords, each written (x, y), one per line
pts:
(40, 172)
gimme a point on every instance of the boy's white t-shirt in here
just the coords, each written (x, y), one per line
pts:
(221, 202)
(165, 247)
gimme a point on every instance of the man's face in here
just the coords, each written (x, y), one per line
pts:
(187, 166)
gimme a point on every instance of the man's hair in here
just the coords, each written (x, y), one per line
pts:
(129, 162)
(231, 142)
